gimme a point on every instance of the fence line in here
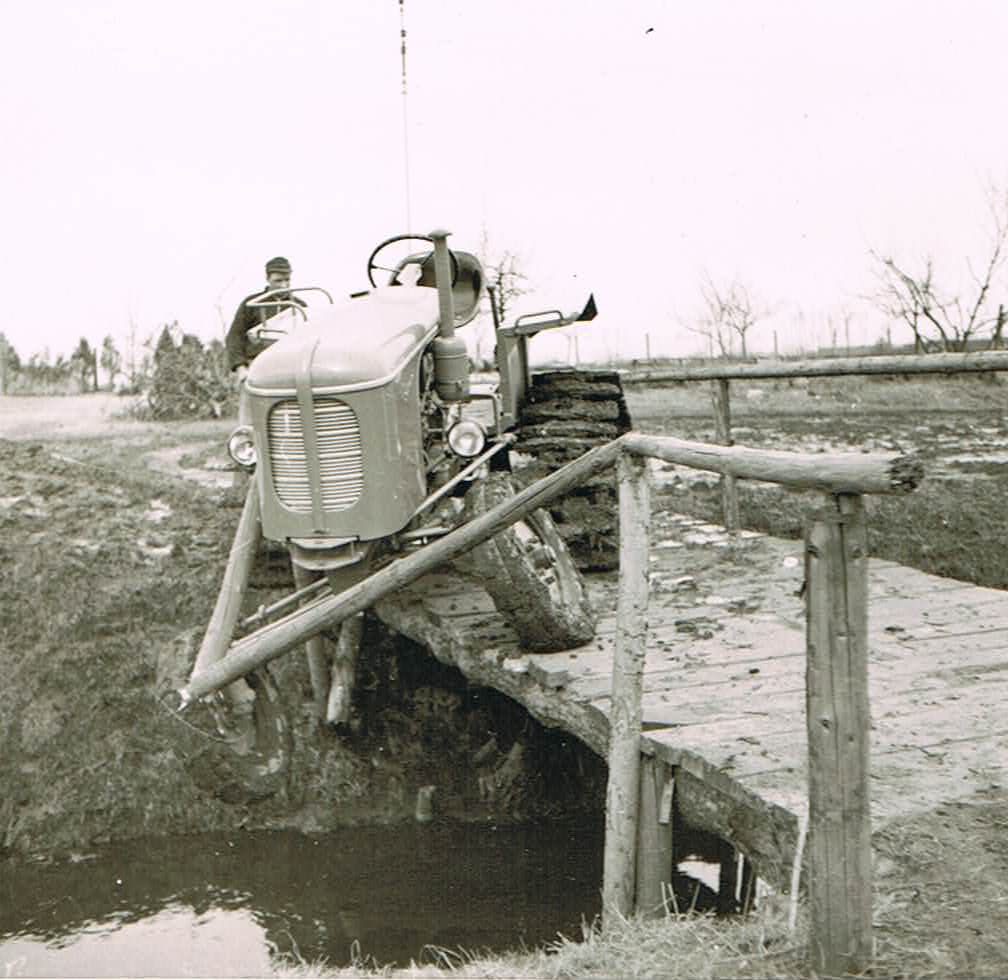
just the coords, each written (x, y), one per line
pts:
(946, 363)
(721, 374)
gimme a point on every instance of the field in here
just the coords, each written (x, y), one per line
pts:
(953, 525)
(115, 533)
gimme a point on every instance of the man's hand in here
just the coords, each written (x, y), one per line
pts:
(241, 373)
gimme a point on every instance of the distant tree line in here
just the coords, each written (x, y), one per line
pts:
(174, 374)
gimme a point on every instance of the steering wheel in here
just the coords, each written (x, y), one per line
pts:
(425, 263)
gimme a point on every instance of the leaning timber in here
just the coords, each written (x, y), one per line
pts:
(240, 561)
(325, 613)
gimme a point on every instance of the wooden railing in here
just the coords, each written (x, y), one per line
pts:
(721, 374)
(837, 718)
(837, 697)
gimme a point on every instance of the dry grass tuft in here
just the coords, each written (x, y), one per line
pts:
(696, 946)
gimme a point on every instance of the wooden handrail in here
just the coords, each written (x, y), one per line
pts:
(830, 472)
(946, 363)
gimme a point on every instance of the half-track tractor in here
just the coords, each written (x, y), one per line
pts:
(369, 437)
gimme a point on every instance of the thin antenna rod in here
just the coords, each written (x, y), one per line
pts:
(405, 117)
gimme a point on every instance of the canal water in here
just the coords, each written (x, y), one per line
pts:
(223, 905)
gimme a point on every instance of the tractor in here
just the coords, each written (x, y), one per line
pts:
(369, 439)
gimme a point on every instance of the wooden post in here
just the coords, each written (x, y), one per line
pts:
(722, 427)
(654, 837)
(315, 648)
(836, 578)
(622, 791)
(747, 886)
(727, 878)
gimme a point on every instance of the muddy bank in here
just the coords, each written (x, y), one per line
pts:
(108, 577)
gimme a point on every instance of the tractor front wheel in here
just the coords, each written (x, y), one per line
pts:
(529, 574)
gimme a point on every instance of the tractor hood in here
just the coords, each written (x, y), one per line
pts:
(361, 343)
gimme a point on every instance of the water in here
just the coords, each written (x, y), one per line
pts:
(222, 905)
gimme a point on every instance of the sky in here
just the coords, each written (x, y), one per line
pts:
(156, 154)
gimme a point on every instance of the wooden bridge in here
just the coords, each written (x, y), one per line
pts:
(723, 702)
(747, 696)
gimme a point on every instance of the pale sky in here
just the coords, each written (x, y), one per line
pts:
(156, 154)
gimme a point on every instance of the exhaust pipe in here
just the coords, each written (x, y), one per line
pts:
(451, 360)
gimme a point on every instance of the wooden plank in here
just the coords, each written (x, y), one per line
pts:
(905, 781)
(716, 661)
(934, 705)
(926, 731)
(727, 878)
(712, 664)
(771, 702)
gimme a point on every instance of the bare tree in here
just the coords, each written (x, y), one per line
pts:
(729, 313)
(945, 320)
(505, 283)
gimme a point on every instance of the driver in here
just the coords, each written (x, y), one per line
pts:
(243, 343)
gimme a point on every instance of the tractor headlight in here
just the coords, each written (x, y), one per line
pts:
(466, 438)
(241, 446)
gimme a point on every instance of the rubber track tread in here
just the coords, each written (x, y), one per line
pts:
(568, 413)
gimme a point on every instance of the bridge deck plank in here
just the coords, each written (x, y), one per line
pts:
(724, 687)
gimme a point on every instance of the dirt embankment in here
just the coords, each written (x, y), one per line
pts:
(108, 575)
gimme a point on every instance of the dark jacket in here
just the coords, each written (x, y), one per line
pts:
(241, 348)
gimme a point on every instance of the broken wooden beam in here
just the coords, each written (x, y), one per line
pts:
(830, 472)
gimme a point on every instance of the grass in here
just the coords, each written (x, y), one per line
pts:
(679, 944)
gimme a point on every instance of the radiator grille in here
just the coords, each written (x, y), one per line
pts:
(340, 458)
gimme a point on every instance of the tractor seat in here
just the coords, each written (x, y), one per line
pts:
(468, 286)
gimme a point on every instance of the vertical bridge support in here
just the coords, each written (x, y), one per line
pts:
(837, 716)
(721, 398)
(654, 837)
(622, 792)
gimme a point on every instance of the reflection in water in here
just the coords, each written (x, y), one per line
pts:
(224, 942)
(221, 904)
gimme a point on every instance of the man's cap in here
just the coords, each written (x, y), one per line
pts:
(279, 264)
